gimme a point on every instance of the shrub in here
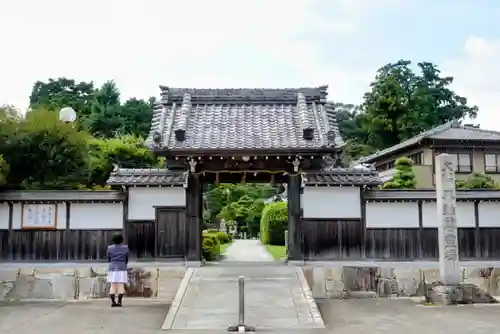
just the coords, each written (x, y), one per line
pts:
(210, 246)
(404, 177)
(223, 237)
(273, 223)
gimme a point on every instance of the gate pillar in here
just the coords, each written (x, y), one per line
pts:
(194, 217)
(294, 189)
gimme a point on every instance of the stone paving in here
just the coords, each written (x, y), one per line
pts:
(142, 316)
(247, 251)
(396, 316)
(275, 298)
(138, 316)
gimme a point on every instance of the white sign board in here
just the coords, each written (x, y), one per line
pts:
(39, 216)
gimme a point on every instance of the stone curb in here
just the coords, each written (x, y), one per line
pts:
(176, 304)
(311, 303)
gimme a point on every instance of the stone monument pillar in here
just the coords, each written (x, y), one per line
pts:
(449, 267)
(450, 290)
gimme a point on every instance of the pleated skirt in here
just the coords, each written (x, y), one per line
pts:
(117, 277)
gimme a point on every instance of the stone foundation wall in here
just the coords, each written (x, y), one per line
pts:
(345, 282)
(86, 283)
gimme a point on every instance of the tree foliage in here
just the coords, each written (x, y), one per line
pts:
(39, 151)
(125, 151)
(477, 181)
(273, 223)
(63, 92)
(404, 177)
(241, 203)
(9, 112)
(400, 104)
(4, 170)
(99, 110)
(44, 153)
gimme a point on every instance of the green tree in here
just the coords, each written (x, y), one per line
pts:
(219, 196)
(136, 115)
(350, 119)
(273, 223)
(125, 152)
(402, 103)
(476, 181)
(230, 212)
(4, 171)
(105, 119)
(254, 216)
(63, 92)
(9, 112)
(44, 153)
(404, 177)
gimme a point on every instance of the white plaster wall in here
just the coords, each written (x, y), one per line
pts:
(465, 214)
(489, 214)
(4, 216)
(142, 200)
(392, 215)
(332, 202)
(92, 216)
(17, 210)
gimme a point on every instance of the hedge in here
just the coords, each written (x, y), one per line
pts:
(212, 239)
(273, 223)
(210, 246)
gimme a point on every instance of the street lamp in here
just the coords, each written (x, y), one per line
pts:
(67, 115)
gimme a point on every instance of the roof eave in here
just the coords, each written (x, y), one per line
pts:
(371, 159)
(244, 151)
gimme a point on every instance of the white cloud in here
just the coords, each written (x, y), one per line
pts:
(477, 77)
(219, 43)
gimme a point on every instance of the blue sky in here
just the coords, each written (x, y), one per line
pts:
(248, 43)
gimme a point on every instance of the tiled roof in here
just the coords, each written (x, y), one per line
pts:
(146, 177)
(342, 176)
(430, 194)
(244, 119)
(61, 195)
(449, 131)
(243, 95)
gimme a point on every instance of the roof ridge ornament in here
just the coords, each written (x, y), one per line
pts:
(307, 128)
(185, 110)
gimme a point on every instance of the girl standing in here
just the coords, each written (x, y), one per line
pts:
(117, 272)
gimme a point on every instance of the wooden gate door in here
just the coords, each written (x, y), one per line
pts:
(171, 232)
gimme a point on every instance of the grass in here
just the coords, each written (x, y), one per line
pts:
(277, 252)
(223, 247)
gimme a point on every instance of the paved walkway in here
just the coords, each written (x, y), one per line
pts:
(137, 316)
(396, 316)
(142, 316)
(247, 251)
(276, 297)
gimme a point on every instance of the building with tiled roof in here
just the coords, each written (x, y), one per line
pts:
(296, 125)
(188, 120)
(475, 149)
(212, 136)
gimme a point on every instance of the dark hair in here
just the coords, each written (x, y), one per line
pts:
(117, 239)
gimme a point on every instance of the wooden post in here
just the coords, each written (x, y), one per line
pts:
(67, 242)
(10, 235)
(295, 249)
(194, 213)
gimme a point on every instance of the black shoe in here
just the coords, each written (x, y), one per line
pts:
(120, 298)
(113, 301)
